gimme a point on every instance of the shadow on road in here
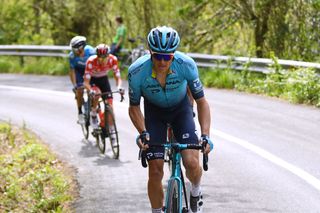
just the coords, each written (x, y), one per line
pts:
(89, 149)
(111, 162)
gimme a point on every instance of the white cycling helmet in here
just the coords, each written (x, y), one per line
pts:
(78, 42)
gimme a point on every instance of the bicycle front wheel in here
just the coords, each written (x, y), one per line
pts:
(112, 132)
(101, 140)
(85, 126)
(173, 199)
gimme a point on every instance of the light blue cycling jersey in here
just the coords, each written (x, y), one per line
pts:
(143, 82)
(79, 63)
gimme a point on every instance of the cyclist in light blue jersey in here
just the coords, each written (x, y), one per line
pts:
(162, 78)
(77, 60)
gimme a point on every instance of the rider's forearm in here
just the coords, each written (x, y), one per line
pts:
(86, 84)
(118, 81)
(204, 115)
(137, 118)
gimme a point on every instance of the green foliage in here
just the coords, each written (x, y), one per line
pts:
(289, 28)
(32, 65)
(219, 78)
(30, 176)
(302, 86)
(296, 86)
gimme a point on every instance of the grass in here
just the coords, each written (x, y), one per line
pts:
(34, 65)
(32, 179)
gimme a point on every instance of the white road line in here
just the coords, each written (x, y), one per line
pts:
(46, 91)
(29, 89)
(313, 181)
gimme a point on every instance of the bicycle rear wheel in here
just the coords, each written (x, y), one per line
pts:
(173, 199)
(168, 151)
(112, 133)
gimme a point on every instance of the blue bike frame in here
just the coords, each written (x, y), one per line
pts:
(176, 173)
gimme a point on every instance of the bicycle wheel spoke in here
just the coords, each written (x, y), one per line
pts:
(113, 133)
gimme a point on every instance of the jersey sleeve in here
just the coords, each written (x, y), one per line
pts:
(92, 51)
(134, 87)
(192, 76)
(71, 61)
(89, 69)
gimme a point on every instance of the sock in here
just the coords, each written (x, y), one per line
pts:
(157, 210)
(112, 128)
(195, 190)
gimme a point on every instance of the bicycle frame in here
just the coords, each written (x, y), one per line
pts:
(176, 173)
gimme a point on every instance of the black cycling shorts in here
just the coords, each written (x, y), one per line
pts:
(103, 84)
(179, 117)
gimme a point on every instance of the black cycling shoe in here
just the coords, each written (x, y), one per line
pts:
(196, 203)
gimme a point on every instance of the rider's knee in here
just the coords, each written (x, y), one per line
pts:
(155, 173)
(191, 163)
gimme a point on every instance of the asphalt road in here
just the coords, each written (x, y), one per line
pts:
(266, 157)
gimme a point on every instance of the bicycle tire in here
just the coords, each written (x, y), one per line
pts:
(168, 152)
(85, 126)
(112, 134)
(173, 201)
(100, 140)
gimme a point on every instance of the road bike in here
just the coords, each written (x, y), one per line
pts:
(176, 188)
(107, 119)
(132, 55)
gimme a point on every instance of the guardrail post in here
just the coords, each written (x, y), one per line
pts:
(21, 61)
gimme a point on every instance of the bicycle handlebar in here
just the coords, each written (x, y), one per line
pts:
(116, 91)
(177, 147)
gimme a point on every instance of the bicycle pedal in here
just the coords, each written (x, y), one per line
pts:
(96, 132)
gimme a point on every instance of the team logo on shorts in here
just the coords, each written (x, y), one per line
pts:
(185, 136)
(149, 155)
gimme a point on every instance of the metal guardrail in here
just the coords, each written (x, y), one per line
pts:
(203, 60)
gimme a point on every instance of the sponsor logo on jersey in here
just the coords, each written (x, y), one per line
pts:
(197, 85)
(152, 86)
(173, 82)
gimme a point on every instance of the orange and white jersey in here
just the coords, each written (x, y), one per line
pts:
(97, 69)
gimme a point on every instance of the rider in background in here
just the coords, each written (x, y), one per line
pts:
(119, 38)
(162, 79)
(96, 79)
(77, 59)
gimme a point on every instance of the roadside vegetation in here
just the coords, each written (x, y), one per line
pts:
(296, 85)
(300, 86)
(34, 65)
(32, 179)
